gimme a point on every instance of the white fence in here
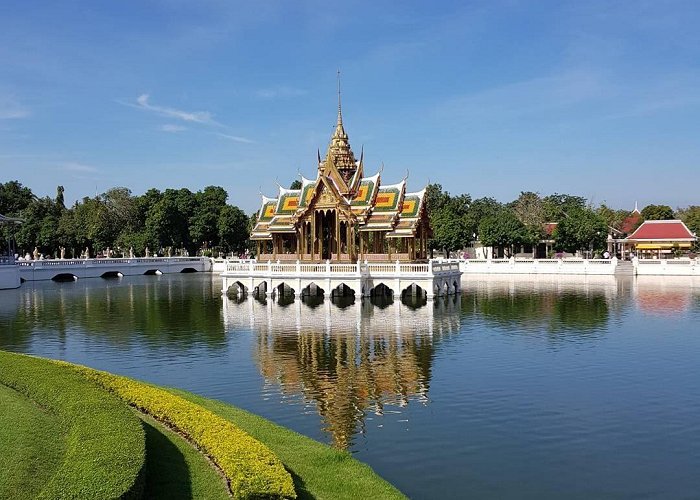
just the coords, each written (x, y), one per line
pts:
(398, 269)
(38, 270)
(541, 266)
(666, 267)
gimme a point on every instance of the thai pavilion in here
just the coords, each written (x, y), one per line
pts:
(341, 215)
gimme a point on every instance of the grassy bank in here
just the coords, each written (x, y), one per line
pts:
(104, 453)
(69, 433)
(320, 471)
(32, 445)
(177, 470)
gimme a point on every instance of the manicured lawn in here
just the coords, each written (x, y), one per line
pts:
(175, 469)
(319, 471)
(32, 445)
(104, 452)
(62, 436)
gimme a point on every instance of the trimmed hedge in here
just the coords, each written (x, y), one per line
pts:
(252, 469)
(105, 442)
(323, 472)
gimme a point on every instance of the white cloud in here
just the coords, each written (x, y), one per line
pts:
(236, 138)
(172, 128)
(73, 166)
(205, 117)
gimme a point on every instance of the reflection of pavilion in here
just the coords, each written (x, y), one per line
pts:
(347, 360)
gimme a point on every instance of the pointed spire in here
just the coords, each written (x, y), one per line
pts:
(340, 109)
(635, 207)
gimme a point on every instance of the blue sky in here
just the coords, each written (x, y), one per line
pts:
(600, 99)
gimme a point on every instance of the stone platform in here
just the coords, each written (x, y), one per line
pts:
(429, 279)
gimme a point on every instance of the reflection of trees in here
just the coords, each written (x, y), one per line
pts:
(175, 311)
(553, 312)
(348, 374)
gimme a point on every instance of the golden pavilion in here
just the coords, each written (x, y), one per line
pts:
(341, 215)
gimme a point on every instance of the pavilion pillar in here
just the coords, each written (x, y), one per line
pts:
(337, 234)
(298, 233)
(362, 250)
(313, 235)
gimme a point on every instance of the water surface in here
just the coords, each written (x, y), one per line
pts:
(520, 388)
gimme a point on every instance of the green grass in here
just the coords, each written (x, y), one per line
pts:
(104, 454)
(61, 436)
(319, 471)
(177, 470)
(32, 444)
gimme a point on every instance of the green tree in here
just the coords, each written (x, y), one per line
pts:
(233, 229)
(14, 198)
(60, 198)
(296, 184)
(691, 218)
(502, 229)
(480, 209)
(168, 220)
(204, 223)
(40, 226)
(530, 211)
(658, 212)
(613, 218)
(582, 229)
(557, 206)
(449, 219)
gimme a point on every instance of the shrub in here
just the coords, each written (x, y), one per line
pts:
(105, 442)
(252, 469)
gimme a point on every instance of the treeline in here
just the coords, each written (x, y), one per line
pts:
(171, 221)
(457, 220)
(178, 219)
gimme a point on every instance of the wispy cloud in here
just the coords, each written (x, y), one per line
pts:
(279, 92)
(201, 118)
(236, 138)
(11, 109)
(204, 117)
(73, 166)
(172, 128)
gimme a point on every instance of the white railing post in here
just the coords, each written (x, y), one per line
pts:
(328, 267)
(298, 267)
(358, 267)
(398, 267)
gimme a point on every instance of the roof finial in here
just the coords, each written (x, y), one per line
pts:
(635, 207)
(340, 112)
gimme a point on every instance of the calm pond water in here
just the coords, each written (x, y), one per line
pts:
(552, 388)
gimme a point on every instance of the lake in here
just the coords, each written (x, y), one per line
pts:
(522, 387)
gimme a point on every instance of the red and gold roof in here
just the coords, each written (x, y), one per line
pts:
(371, 206)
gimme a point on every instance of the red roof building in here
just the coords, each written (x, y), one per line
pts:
(656, 237)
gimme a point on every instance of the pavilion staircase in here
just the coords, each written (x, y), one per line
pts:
(624, 268)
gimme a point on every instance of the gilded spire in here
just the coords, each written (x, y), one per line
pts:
(340, 110)
(339, 151)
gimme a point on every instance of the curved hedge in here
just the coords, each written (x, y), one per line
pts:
(105, 443)
(252, 469)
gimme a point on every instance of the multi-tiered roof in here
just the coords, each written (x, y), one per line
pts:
(340, 181)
